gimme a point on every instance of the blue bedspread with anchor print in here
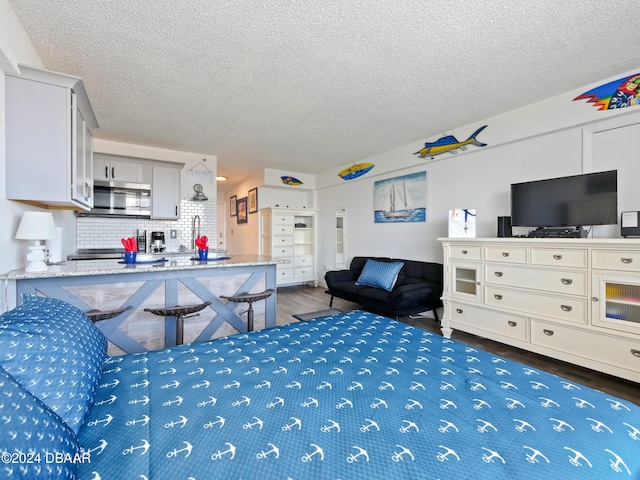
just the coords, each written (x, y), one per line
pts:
(354, 396)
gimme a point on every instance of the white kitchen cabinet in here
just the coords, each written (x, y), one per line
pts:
(576, 300)
(109, 169)
(165, 191)
(289, 236)
(49, 124)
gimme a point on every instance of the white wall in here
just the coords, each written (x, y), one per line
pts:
(242, 238)
(540, 141)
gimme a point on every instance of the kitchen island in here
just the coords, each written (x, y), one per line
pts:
(108, 285)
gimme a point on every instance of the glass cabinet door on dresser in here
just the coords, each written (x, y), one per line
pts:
(465, 281)
(465, 272)
(616, 302)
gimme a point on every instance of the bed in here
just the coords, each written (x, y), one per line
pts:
(350, 396)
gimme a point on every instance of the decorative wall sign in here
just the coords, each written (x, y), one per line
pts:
(253, 200)
(401, 199)
(202, 175)
(449, 143)
(355, 171)
(289, 180)
(241, 207)
(621, 93)
(233, 205)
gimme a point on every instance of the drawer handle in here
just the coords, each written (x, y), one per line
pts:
(459, 310)
(548, 333)
(635, 353)
(464, 252)
(626, 260)
(557, 257)
(498, 274)
(566, 281)
(566, 308)
(512, 323)
(505, 254)
(498, 297)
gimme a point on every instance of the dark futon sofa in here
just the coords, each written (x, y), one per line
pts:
(417, 288)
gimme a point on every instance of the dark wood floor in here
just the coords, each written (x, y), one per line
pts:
(303, 299)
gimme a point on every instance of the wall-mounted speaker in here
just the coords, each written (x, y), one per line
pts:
(504, 227)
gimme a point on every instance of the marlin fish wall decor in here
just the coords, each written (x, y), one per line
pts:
(449, 143)
(624, 92)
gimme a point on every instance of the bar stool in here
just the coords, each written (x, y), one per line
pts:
(99, 315)
(180, 312)
(249, 298)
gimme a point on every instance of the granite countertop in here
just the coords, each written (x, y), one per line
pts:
(76, 268)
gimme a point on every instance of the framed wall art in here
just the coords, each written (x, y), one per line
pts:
(241, 206)
(233, 205)
(401, 199)
(253, 200)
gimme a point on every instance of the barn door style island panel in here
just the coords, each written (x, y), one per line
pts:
(108, 286)
(577, 300)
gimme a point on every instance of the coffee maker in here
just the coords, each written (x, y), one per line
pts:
(157, 242)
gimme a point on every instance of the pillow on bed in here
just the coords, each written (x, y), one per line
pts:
(380, 274)
(34, 441)
(54, 351)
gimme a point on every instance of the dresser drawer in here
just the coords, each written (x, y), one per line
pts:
(285, 219)
(282, 251)
(303, 261)
(301, 272)
(559, 257)
(506, 254)
(620, 352)
(506, 324)
(284, 272)
(572, 282)
(465, 252)
(627, 261)
(282, 240)
(283, 229)
(563, 308)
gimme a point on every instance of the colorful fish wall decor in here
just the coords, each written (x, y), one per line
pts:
(355, 171)
(449, 143)
(621, 93)
(289, 180)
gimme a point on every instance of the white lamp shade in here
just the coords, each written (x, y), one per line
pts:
(37, 226)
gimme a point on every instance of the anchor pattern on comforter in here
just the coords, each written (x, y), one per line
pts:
(352, 396)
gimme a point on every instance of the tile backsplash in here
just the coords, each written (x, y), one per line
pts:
(100, 232)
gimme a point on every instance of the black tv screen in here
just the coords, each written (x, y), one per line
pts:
(579, 200)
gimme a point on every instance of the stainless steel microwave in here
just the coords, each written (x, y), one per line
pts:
(120, 199)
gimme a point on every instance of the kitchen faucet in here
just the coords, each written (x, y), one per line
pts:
(195, 231)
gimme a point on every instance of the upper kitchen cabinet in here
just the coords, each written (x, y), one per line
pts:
(107, 169)
(165, 191)
(49, 124)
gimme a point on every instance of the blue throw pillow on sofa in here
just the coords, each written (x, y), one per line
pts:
(380, 274)
(54, 351)
(34, 441)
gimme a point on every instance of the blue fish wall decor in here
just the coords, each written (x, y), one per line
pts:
(449, 143)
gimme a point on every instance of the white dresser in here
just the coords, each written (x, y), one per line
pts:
(289, 236)
(576, 300)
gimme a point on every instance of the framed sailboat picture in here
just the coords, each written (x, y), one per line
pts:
(401, 199)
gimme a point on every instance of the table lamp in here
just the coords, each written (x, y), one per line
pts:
(38, 226)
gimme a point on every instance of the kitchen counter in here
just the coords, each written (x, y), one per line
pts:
(107, 285)
(74, 268)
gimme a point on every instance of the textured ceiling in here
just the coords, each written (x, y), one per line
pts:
(310, 85)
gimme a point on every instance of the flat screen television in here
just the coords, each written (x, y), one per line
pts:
(575, 201)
